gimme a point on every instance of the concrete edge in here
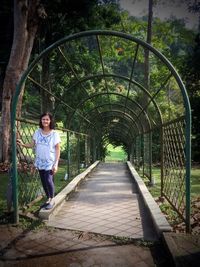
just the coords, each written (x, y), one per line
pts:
(64, 194)
(159, 220)
(183, 248)
(171, 247)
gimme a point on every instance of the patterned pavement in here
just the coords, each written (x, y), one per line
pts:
(107, 202)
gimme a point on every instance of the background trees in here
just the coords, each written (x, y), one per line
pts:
(40, 23)
(191, 75)
(76, 15)
(26, 20)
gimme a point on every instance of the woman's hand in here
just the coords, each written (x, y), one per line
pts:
(19, 142)
(29, 145)
(54, 168)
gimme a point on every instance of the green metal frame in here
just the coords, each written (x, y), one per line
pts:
(87, 119)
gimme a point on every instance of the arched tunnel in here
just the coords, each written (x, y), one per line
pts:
(110, 87)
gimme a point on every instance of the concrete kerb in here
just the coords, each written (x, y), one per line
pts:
(159, 220)
(64, 194)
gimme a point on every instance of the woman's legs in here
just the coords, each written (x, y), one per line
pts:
(43, 180)
(47, 183)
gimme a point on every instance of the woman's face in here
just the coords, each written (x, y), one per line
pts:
(45, 121)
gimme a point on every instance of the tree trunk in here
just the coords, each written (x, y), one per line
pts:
(26, 21)
(47, 101)
(146, 51)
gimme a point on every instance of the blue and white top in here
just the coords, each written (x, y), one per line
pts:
(45, 149)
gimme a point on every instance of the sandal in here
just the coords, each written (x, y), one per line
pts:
(44, 205)
(49, 206)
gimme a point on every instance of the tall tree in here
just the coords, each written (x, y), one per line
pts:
(27, 15)
(148, 40)
(71, 15)
(191, 74)
(6, 19)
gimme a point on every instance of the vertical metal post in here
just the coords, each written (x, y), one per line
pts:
(150, 159)
(86, 152)
(78, 152)
(14, 172)
(135, 151)
(142, 144)
(14, 156)
(129, 153)
(162, 159)
(88, 149)
(68, 155)
(132, 153)
(188, 169)
(94, 150)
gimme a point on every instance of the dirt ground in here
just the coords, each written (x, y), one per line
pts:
(56, 247)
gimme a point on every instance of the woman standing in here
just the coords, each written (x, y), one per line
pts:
(47, 153)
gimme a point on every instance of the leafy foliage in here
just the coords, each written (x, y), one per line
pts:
(191, 74)
(81, 58)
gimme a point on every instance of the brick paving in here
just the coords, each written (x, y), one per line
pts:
(104, 223)
(108, 203)
(90, 228)
(48, 247)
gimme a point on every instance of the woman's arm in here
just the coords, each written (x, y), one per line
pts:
(57, 157)
(28, 145)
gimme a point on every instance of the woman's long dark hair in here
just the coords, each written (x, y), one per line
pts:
(51, 125)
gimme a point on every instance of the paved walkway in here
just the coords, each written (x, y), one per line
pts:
(48, 247)
(107, 202)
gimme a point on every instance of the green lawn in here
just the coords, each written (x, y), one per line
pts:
(118, 154)
(59, 180)
(195, 182)
(60, 183)
(115, 154)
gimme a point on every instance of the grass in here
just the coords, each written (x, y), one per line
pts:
(156, 189)
(195, 182)
(59, 180)
(165, 207)
(25, 220)
(115, 153)
(118, 154)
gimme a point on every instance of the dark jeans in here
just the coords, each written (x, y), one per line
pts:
(47, 182)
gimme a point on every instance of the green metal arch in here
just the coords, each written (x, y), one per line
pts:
(122, 138)
(117, 94)
(119, 105)
(124, 113)
(104, 32)
(127, 136)
(117, 135)
(139, 43)
(107, 93)
(127, 118)
(126, 129)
